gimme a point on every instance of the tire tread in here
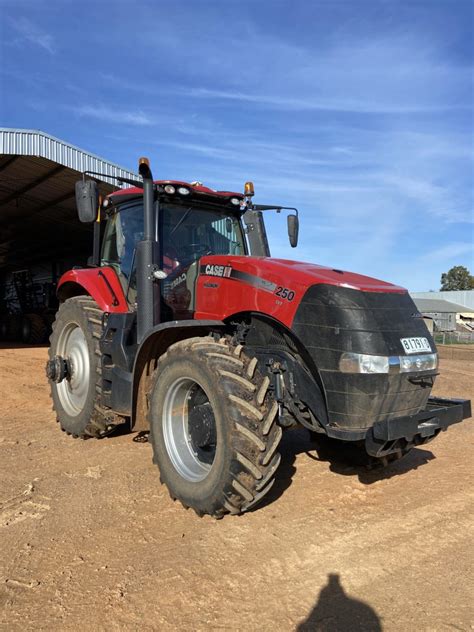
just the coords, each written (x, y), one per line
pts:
(251, 413)
(102, 420)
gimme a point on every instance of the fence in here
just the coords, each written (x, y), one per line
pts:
(454, 337)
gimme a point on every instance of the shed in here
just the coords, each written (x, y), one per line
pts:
(40, 235)
(444, 313)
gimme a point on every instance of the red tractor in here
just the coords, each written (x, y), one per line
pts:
(183, 325)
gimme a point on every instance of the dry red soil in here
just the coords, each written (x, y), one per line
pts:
(89, 540)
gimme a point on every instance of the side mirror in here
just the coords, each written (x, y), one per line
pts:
(293, 229)
(87, 200)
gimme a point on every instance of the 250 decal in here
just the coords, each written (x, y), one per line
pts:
(284, 292)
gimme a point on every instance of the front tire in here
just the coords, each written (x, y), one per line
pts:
(76, 398)
(213, 426)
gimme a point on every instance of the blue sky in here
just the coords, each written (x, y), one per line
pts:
(357, 112)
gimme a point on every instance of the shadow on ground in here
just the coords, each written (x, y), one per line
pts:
(335, 611)
(350, 459)
(21, 345)
(343, 458)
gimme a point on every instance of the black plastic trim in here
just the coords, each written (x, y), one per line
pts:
(178, 324)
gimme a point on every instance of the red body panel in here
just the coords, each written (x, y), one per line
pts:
(93, 281)
(219, 297)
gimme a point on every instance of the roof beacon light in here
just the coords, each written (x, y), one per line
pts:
(249, 190)
(169, 188)
(183, 191)
(144, 168)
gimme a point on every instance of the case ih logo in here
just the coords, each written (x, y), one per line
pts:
(177, 281)
(218, 271)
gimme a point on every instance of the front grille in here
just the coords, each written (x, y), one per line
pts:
(331, 320)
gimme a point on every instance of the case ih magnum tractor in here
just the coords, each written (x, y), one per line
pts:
(184, 326)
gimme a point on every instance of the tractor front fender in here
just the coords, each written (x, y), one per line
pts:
(101, 283)
(148, 353)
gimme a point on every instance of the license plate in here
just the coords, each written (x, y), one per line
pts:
(415, 345)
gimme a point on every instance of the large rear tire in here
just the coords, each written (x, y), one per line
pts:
(213, 426)
(76, 398)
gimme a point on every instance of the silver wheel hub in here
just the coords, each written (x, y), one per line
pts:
(73, 391)
(189, 429)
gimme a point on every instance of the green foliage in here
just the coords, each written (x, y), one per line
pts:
(458, 278)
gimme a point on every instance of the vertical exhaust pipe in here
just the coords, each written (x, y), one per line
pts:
(147, 258)
(145, 172)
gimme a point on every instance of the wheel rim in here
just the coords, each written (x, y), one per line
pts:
(189, 429)
(73, 391)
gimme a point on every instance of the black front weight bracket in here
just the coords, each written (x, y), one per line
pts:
(440, 413)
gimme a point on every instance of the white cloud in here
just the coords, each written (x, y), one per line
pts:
(316, 102)
(449, 252)
(112, 115)
(33, 34)
(392, 73)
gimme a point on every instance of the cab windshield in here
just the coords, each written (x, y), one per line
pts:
(186, 234)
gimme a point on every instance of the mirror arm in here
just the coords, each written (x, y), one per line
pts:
(273, 207)
(121, 179)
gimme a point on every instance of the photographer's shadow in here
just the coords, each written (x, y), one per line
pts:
(335, 611)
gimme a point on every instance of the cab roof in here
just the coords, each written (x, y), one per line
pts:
(121, 194)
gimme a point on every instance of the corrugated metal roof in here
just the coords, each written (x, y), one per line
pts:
(460, 297)
(38, 218)
(26, 142)
(436, 306)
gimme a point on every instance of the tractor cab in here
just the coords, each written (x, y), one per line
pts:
(190, 221)
(184, 222)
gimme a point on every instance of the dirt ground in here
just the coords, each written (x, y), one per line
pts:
(89, 540)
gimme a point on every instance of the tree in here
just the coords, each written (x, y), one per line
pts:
(458, 278)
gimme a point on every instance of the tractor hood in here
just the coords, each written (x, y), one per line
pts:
(287, 273)
(229, 285)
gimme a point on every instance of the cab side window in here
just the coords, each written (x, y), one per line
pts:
(122, 233)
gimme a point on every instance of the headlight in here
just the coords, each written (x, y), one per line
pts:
(169, 188)
(422, 362)
(364, 363)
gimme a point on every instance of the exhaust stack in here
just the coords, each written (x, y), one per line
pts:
(147, 256)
